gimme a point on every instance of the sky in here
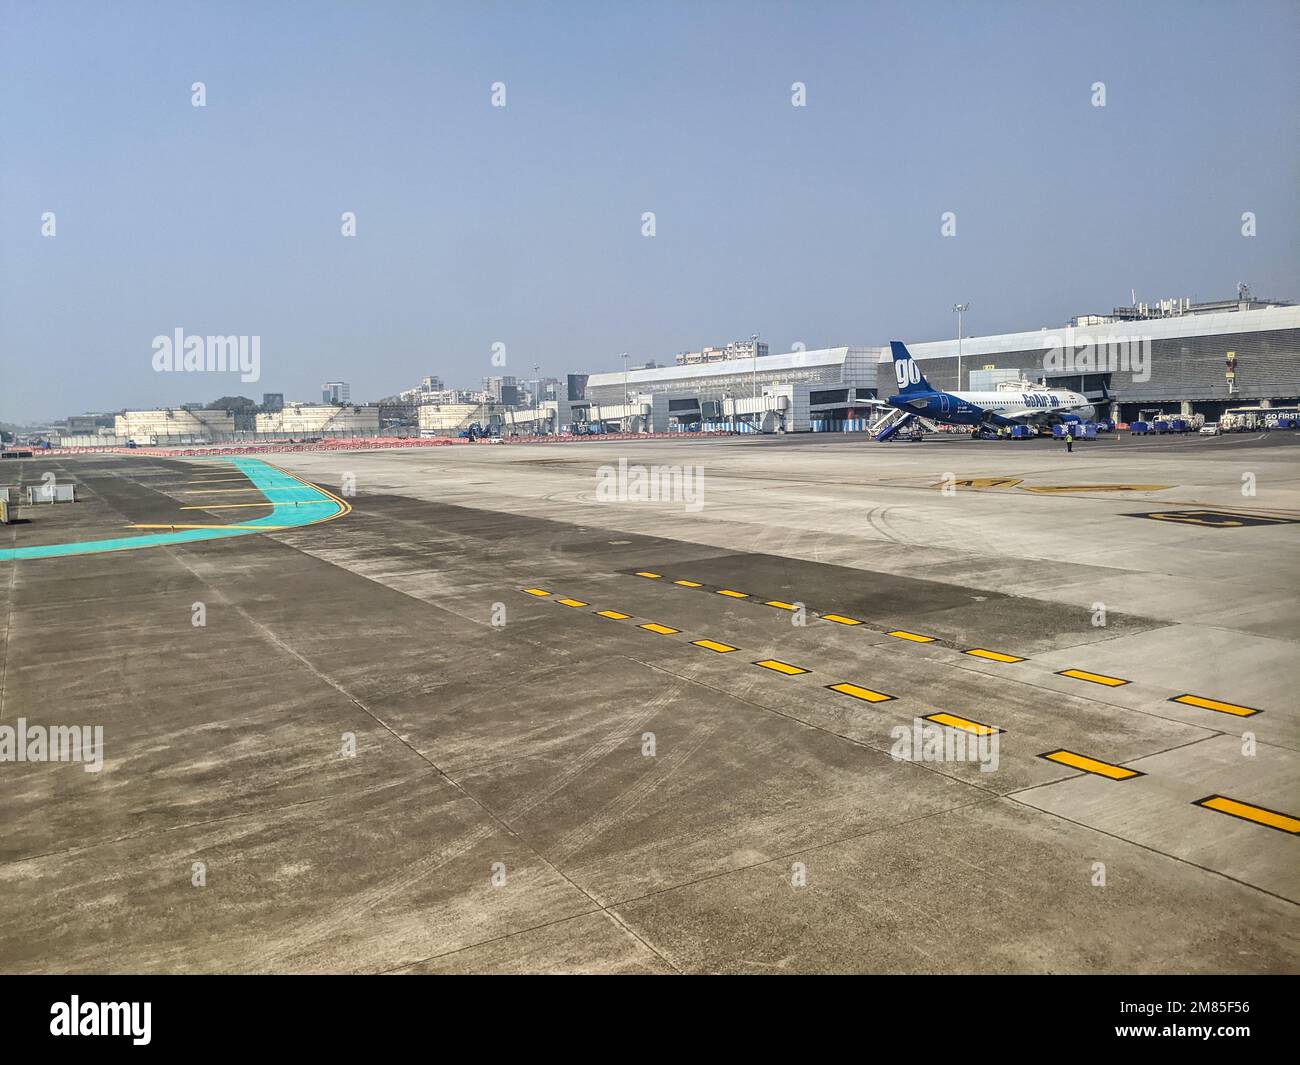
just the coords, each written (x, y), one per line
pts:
(523, 225)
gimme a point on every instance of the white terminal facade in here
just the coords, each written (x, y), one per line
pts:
(1179, 364)
(771, 392)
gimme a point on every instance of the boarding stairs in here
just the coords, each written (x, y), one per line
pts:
(895, 420)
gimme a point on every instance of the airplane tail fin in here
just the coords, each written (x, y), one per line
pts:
(906, 371)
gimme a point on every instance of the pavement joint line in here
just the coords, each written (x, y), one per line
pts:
(486, 810)
(1245, 811)
(1091, 765)
(1129, 841)
(608, 908)
(1092, 678)
(1216, 705)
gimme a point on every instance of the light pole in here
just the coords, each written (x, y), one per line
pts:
(753, 344)
(961, 309)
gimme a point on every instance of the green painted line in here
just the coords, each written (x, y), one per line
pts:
(304, 504)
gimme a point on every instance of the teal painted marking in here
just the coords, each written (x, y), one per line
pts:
(294, 504)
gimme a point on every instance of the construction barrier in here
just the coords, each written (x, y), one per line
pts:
(367, 443)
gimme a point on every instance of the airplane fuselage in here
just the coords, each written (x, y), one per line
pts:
(997, 408)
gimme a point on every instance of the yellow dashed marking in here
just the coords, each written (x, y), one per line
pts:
(840, 619)
(652, 576)
(663, 630)
(689, 584)
(1092, 678)
(859, 692)
(781, 667)
(953, 721)
(1259, 814)
(713, 645)
(571, 602)
(1091, 765)
(781, 605)
(613, 615)
(992, 656)
(734, 595)
(536, 591)
(915, 637)
(1214, 704)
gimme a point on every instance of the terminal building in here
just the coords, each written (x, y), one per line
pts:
(1173, 357)
(1176, 357)
(767, 393)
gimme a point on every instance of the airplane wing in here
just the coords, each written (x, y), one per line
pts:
(1026, 416)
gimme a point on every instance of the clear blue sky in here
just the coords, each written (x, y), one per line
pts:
(522, 225)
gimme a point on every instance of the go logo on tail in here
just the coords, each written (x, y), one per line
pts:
(907, 373)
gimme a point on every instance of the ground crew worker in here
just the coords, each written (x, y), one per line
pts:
(1069, 442)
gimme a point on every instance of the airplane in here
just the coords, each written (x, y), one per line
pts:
(1031, 406)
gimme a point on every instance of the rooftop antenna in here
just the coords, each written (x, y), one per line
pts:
(1243, 291)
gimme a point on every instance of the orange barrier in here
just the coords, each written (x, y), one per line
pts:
(356, 443)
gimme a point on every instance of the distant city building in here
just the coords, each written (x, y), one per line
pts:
(272, 401)
(83, 423)
(336, 392)
(737, 349)
(503, 390)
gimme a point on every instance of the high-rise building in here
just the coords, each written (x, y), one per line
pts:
(503, 389)
(336, 392)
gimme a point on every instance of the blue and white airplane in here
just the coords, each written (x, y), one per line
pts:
(1034, 406)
